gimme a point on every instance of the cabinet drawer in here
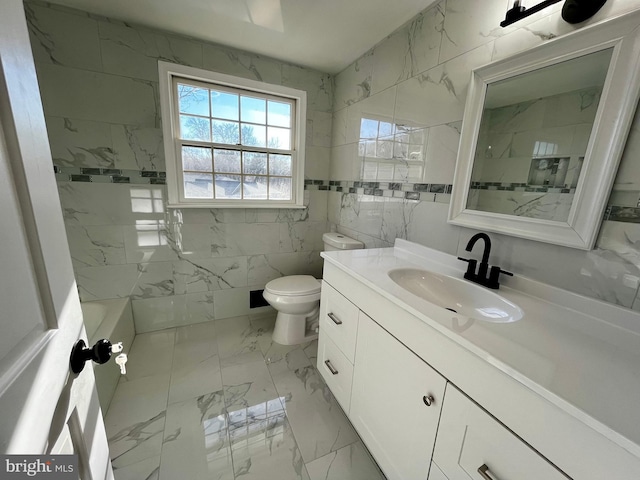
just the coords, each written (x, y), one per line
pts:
(339, 319)
(470, 439)
(338, 380)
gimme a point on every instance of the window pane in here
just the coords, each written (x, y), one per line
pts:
(385, 129)
(384, 149)
(198, 185)
(254, 136)
(224, 105)
(196, 158)
(226, 132)
(255, 188)
(228, 186)
(253, 110)
(279, 114)
(195, 128)
(368, 128)
(279, 138)
(280, 165)
(193, 100)
(400, 150)
(226, 161)
(279, 188)
(367, 149)
(254, 163)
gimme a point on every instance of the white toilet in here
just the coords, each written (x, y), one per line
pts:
(297, 298)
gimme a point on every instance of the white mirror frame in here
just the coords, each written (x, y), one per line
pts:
(613, 119)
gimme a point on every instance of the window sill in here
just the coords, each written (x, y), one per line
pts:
(288, 206)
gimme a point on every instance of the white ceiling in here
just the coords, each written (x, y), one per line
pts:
(324, 34)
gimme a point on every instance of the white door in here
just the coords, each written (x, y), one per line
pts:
(44, 408)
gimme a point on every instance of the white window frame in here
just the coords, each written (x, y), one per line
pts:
(171, 128)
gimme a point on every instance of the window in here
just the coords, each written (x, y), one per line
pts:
(231, 142)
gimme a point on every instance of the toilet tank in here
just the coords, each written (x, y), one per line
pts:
(338, 241)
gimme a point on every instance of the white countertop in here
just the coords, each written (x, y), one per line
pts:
(581, 354)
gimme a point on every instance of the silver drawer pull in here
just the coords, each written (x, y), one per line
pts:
(428, 400)
(330, 367)
(335, 319)
(485, 473)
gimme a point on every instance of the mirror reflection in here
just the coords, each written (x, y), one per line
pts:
(533, 138)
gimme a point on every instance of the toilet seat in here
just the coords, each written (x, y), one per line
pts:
(293, 285)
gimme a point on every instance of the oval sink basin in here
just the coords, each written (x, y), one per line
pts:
(457, 295)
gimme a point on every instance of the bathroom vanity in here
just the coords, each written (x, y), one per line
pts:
(545, 385)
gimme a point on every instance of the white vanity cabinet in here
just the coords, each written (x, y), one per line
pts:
(392, 352)
(404, 410)
(395, 403)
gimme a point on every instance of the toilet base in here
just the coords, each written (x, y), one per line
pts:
(291, 329)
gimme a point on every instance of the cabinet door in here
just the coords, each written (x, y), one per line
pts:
(392, 388)
(472, 444)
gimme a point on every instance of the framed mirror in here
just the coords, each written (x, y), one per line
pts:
(543, 133)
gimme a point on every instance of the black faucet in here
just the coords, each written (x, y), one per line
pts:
(481, 277)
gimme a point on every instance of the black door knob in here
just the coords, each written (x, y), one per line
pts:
(80, 354)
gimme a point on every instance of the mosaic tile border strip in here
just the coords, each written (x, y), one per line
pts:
(520, 187)
(432, 192)
(109, 175)
(618, 213)
(410, 191)
(614, 212)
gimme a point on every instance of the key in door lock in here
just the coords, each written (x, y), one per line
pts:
(100, 353)
(122, 360)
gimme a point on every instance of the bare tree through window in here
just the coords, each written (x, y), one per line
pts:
(256, 133)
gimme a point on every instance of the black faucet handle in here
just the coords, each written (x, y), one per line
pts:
(494, 275)
(466, 259)
(471, 269)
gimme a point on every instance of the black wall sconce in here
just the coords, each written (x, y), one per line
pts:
(573, 11)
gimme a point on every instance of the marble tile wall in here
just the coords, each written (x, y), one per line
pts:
(99, 84)
(417, 79)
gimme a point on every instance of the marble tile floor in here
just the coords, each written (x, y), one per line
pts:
(220, 400)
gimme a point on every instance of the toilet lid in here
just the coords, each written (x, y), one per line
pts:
(294, 285)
